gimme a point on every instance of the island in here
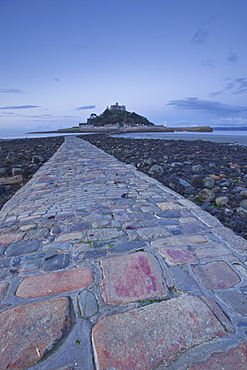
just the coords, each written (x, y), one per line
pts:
(116, 119)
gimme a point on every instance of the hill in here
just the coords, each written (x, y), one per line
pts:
(114, 117)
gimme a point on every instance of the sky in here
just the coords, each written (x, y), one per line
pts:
(176, 62)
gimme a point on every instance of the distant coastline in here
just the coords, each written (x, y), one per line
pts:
(129, 129)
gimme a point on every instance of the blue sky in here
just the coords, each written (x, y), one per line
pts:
(176, 62)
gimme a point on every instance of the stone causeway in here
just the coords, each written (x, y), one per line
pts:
(103, 267)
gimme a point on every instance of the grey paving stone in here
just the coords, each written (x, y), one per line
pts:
(32, 265)
(95, 253)
(168, 222)
(34, 256)
(79, 226)
(234, 299)
(168, 214)
(183, 281)
(56, 262)
(88, 304)
(152, 233)
(127, 246)
(58, 247)
(22, 247)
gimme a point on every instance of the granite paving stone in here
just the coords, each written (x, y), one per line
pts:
(54, 282)
(216, 275)
(151, 233)
(136, 277)
(180, 240)
(156, 333)
(211, 250)
(28, 332)
(103, 267)
(177, 256)
(5, 239)
(235, 358)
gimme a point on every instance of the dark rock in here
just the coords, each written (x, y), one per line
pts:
(22, 247)
(208, 182)
(37, 159)
(95, 253)
(206, 195)
(56, 262)
(123, 247)
(156, 170)
(221, 201)
(243, 204)
(197, 168)
(181, 186)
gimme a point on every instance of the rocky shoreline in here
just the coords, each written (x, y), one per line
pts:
(213, 175)
(20, 159)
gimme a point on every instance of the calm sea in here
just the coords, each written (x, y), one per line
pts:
(232, 137)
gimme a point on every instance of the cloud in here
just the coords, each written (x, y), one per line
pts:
(207, 63)
(56, 79)
(232, 58)
(206, 106)
(200, 36)
(12, 91)
(20, 107)
(86, 107)
(233, 86)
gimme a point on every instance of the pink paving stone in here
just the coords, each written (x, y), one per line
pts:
(216, 275)
(54, 282)
(6, 239)
(141, 338)
(28, 332)
(236, 358)
(130, 278)
(177, 256)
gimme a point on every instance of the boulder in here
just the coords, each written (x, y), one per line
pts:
(221, 201)
(37, 159)
(197, 168)
(156, 170)
(208, 182)
(206, 195)
(16, 171)
(243, 204)
(2, 171)
(243, 193)
(11, 158)
(181, 186)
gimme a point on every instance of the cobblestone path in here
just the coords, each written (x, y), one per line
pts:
(102, 267)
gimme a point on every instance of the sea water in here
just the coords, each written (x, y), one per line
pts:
(224, 136)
